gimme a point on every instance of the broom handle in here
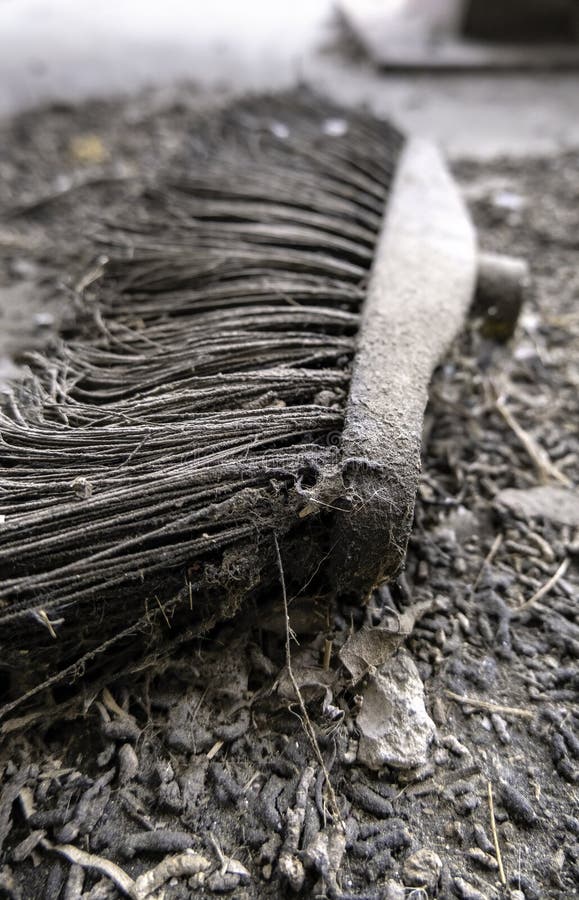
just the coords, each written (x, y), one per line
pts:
(421, 287)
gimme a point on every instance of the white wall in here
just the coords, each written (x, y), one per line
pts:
(73, 48)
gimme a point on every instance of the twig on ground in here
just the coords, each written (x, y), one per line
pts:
(42, 616)
(492, 707)
(495, 834)
(214, 749)
(538, 456)
(162, 608)
(112, 705)
(547, 586)
(306, 721)
(220, 854)
(488, 559)
(328, 645)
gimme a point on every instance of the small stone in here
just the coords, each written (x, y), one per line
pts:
(555, 504)
(395, 729)
(422, 869)
(82, 487)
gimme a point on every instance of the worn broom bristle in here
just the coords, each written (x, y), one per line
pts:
(146, 462)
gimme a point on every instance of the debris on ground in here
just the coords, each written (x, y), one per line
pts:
(422, 870)
(395, 729)
(556, 504)
(202, 755)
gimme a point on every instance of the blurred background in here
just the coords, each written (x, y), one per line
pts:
(483, 78)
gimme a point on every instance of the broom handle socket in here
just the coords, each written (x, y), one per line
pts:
(502, 284)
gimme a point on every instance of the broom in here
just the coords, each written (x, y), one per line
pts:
(233, 380)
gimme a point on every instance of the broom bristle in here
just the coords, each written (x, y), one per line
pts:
(146, 463)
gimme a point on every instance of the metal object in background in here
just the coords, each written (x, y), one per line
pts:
(502, 284)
